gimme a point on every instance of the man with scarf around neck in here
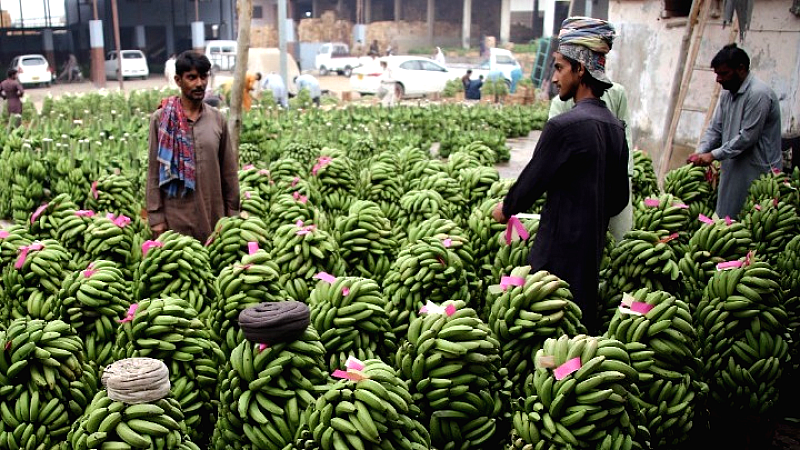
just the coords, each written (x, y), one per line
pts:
(192, 173)
(581, 163)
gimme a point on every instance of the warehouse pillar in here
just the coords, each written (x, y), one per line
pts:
(47, 44)
(398, 11)
(367, 11)
(97, 53)
(141, 37)
(431, 16)
(505, 21)
(466, 24)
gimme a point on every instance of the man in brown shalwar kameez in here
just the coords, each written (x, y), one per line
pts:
(192, 174)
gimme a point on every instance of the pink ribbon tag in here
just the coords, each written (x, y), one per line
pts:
(515, 228)
(263, 172)
(84, 213)
(345, 291)
(671, 237)
(757, 207)
(4, 234)
(248, 167)
(252, 248)
(641, 307)
(247, 195)
(23, 253)
(567, 368)
(262, 347)
(450, 310)
(88, 272)
(447, 242)
(748, 257)
(775, 201)
(680, 205)
(433, 308)
(95, 194)
(295, 181)
(508, 281)
(326, 277)
(38, 212)
(727, 265)
(7, 346)
(304, 229)
(322, 161)
(353, 372)
(776, 171)
(651, 202)
(728, 220)
(131, 313)
(439, 258)
(300, 198)
(354, 363)
(122, 221)
(147, 245)
(704, 219)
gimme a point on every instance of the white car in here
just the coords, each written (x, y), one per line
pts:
(33, 69)
(134, 64)
(415, 76)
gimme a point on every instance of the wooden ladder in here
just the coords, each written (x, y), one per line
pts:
(700, 13)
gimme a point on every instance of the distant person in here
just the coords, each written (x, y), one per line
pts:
(374, 48)
(466, 79)
(274, 83)
(11, 90)
(516, 75)
(169, 72)
(388, 86)
(69, 69)
(250, 87)
(482, 49)
(474, 89)
(309, 83)
(192, 177)
(744, 133)
(213, 98)
(439, 57)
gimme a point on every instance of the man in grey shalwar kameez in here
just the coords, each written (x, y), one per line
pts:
(745, 132)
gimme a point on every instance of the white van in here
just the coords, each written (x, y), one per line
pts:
(222, 54)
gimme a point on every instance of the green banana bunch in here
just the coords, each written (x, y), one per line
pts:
(480, 151)
(114, 194)
(523, 316)
(169, 329)
(258, 180)
(302, 251)
(476, 182)
(640, 260)
(423, 271)
(669, 215)
(692, 184)
(112, 239)
(420, 169)
(177, 266)
(285, 208)
(252, 281)
(71, 232)
(412, 163)
(376, 411)
(461, 160)
(31, 284)
(334, 176)
(452, 363)
(789, 268)
(45, 385)
(590, 406)
(12, 238)
(483, 232)
(451, 235)
(253, 204)
(230, 239)
(419, 205)
(449, 188)
(351, 318)
(661, 341)
(71, 178)
(249, 153)
(772, 223)
(264, 390)
(92, 301)
(380, 183)
(45, 222)
(28, 186)
(303, 152)
(500, 188)
(710, 245)
(770, 186)
(741, 323)
(644, 181)
(112, 424)
(365, 240)
(285, 170)
(513, 255)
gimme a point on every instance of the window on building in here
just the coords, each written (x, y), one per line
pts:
(258, 12)
(676, 8)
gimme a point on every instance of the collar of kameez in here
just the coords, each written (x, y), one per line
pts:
(515, 226)
(304, 229)
(38, 212)
(322, 161)
(23, 253)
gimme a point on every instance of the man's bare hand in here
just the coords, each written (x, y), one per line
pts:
(701, 159)
(498, 215)
(157, 230)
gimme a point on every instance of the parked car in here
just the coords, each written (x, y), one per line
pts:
(33, 70)
(415, 76)
(134, 64)
(335, 57)
(222, 54)
(499, 59)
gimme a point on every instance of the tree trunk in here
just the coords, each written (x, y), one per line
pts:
(245, 9)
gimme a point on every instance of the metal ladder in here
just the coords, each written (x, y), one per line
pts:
(539, 72)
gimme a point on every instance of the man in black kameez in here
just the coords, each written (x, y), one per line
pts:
(581, 162)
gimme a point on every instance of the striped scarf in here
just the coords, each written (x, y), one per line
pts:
(175, 149)
(595, 34)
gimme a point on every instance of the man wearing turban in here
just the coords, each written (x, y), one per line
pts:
(580, 162)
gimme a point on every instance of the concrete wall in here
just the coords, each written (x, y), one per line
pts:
(645, 56)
